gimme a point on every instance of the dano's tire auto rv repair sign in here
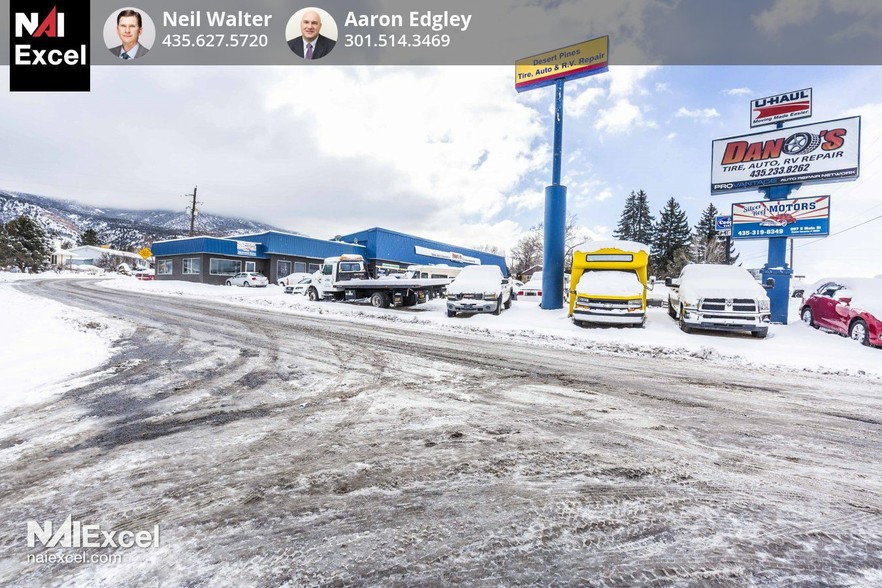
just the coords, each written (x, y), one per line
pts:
(820, 152)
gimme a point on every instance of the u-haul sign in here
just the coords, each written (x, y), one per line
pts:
(781, 108)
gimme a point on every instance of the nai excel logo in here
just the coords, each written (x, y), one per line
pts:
(49, 46)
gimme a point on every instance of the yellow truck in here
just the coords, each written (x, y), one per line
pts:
(609, 283)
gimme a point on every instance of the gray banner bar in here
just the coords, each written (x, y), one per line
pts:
(498, 32)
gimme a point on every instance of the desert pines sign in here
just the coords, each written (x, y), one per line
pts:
(821, 152)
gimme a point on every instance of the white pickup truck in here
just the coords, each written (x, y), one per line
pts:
(719, 298)
(479, 288)
(346, 278)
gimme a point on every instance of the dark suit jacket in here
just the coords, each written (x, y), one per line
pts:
(322, 46)
(142, 51)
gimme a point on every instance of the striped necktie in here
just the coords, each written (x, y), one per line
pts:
(309, 50)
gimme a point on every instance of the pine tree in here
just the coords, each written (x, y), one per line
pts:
(671, 237)
(89, 237)
(635, 224)
(704, 247)
(23, 243)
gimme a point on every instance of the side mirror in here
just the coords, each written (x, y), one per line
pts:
(770, 283)
(669, 282)
(845, 301)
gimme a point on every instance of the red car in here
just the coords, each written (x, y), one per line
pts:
(779, 220)
(849, 306)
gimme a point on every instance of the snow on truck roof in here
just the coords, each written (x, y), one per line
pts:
(631, 246)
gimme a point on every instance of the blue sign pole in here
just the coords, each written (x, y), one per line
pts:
(776, 265)
(555, 218)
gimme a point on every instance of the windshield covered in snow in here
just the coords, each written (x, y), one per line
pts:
(609, 283)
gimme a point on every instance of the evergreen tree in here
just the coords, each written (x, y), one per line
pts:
(705, 247)
(671, 238)
(89, 237)
(635, 223)
(24, 243)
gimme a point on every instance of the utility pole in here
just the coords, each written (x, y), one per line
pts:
(192, 210)
(791, 253)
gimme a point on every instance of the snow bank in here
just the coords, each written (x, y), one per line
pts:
(47, 343)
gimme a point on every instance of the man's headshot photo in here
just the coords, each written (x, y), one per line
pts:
(129, 39)
(311, 33)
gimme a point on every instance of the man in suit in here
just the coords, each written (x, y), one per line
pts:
(311, 44)
(128, 27)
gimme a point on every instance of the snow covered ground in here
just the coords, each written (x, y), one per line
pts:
(792, 346)
(51, 342)
(45, 343)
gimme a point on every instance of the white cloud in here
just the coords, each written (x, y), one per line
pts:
(671, 136)
(700, 114)
(793, 13)
(786, 13)
(579, 105)
(604, 195)
(621, 117)
(462, 151)
(738, 91)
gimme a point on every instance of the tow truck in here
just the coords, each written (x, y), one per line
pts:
(345, 278)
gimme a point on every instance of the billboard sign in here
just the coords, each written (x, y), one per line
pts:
(723, 225)
(820, 152)
(794, 217)
(246, 248)
(781, 108)
(568, 63)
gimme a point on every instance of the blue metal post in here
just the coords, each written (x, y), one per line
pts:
(555, 217)
(776, 265)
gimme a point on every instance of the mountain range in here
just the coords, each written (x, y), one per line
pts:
(120, 228)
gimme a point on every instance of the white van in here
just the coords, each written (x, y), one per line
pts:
(433, 271)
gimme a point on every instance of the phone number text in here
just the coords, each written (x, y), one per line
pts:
(390, 40)
(215, 40)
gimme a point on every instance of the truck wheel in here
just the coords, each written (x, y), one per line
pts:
(312, 293)
(380, 300)
(683, 326)
(508, 304)
(760, 334)
(498, 310)
(671, 312)
(228, 283)
(451, 313)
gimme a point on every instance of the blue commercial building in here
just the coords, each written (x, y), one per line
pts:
(212, 260)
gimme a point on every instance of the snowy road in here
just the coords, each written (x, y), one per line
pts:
(281, 450)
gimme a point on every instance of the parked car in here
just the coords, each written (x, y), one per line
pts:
(849, 306)
(479, 288)
(720, 298)
(292, 279)
(248, 279)
(300, 287)
(533, 287)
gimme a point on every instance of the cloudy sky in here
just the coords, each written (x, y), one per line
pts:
(448, 152)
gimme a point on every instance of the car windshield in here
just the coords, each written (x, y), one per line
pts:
(305, 281)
